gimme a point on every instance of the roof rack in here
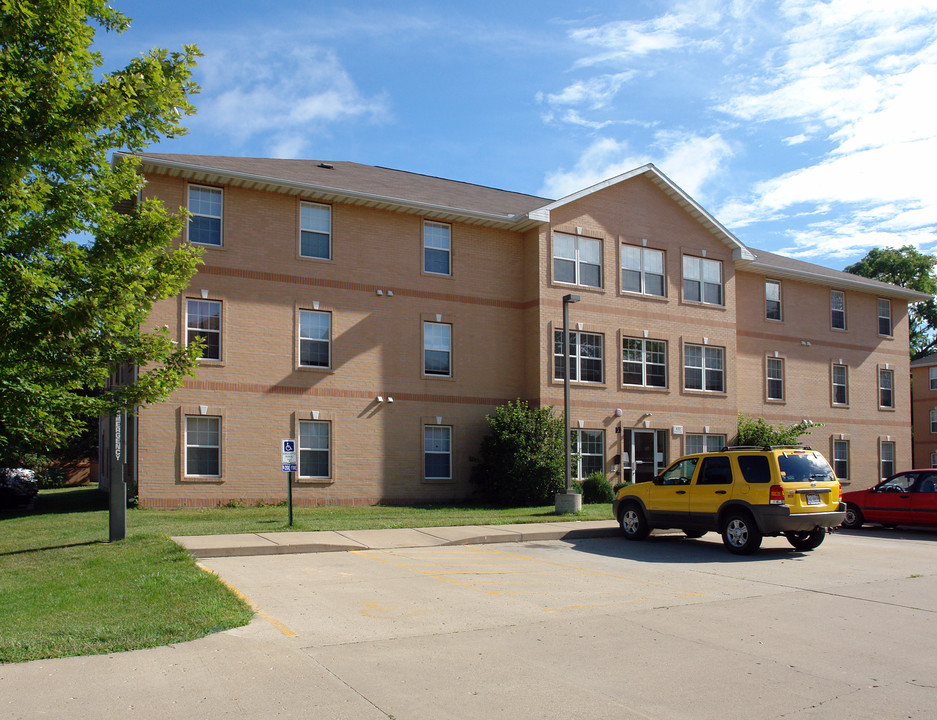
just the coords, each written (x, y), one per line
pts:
(726, 448)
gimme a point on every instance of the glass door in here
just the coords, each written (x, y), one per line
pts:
(645, 455)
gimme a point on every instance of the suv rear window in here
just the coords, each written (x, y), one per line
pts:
(755, 468)
(804, 467)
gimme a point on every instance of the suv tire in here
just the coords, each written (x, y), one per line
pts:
(740, 534)
(633, 523)
(806, 540)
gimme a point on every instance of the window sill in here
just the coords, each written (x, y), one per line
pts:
(839, 406)
(705, 393)
(441, 276)
(447, 378)
(205, 363)
(202, 479)
(314, 369)
(643, 296)
(438, 481)
(583, 288)
(310, 481)
(208, 246)
(775, 401)
(580, 384)
(646, 388)
(312, 258)
(887, 409)
(710, 306)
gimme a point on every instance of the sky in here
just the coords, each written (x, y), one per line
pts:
(805, 127)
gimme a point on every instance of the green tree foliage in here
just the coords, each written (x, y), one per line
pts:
(521, 459)
(759, 432)
(71, 311)
(907, 268)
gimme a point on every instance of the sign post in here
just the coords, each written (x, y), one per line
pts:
(288, 463)
(117, 515)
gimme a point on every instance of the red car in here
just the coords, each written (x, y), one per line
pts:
(908, 498)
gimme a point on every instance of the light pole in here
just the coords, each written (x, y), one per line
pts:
(567, 501)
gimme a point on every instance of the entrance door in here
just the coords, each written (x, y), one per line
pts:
(645, 455)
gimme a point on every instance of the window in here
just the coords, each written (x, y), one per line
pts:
(643, 362)
(203, 320)
(205, 215)
(933, 421)
(932, 377)
(315, 344)
(437, 248)
(585, 356)
(775, 373)
(887, 452)
(840, 394)
(703, 368)
(886, 380)
(315, 231)
(437, 452)
(704, 443)
(437, 349)
(933, 459)
(841, 459)
(577, 260)
(715, 471)
(588, 450)
(203, 446)
(314, 449)
(884, 317)
(838, 309)
(772, 300)
(755, 468)
(642, 270)
(702, 280)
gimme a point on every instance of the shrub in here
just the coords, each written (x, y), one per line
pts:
(619, 486)
(521, 461)
(597, 489)
(759, 432)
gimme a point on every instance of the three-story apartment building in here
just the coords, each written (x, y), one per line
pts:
(377, 316)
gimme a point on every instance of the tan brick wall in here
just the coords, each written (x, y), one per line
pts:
(924, 401)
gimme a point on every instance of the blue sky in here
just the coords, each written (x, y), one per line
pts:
(807, 128)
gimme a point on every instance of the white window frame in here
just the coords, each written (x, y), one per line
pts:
(437, 443)
(933, 421)
(886, 316)
(841, 458)
(200, 213)
(699, 272)
(703, 442)
(886, 401)
(432, 342)
(932, 377)
(306, 447)
(933, 459)
(196, 331)
(644, 362)
(315, 229)
(844, 384)
(597, 438)
(578, 241)
(706, 371)
(306, 337)
(776, 301)
(775, 376)
(193, 443)
(886, 455)
(837, 312)
(433, 242)
(575, 356)
(644, 256)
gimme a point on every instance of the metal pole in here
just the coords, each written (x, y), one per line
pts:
(289, 495)
(566, 301)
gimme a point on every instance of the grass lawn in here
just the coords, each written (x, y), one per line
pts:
(66, 591)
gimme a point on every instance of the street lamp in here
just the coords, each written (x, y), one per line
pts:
(567, 501)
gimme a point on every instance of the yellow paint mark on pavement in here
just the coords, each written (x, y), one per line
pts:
(253, 606)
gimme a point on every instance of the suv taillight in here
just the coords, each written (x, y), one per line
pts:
(777, 495)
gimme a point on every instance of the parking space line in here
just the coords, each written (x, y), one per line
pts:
(282, 627)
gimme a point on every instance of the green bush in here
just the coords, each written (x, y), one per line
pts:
(619, 486)
(759, 432)
(597, 489)
(521, 461)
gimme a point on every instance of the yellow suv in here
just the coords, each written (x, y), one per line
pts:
(744, 493)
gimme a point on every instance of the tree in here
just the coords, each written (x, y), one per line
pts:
(71, 310)
(759, 432)
(521, 458)
(907, 268)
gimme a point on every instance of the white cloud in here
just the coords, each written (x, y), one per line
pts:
(593, 93)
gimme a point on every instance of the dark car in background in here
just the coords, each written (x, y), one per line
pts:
(907, 498)
(18, 488)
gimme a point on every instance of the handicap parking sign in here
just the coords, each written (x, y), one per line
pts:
(288, 455)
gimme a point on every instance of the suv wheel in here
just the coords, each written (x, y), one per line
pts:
(633, 524)
(740, 534)
(806, 540)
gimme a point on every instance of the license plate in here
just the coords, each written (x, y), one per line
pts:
(813, 499)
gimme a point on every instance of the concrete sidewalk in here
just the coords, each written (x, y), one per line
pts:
(278, 543)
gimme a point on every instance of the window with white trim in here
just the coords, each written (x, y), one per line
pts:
(315, 339)
(704, 368)
(588, 451)
(315, 448)
(933, 421)
(841, 459)
(887, 456)
(698, 442)
(840, 386)
(838, 309)
(203, 320)
(775, 376)
(204, 215)
(886, 388)
(577, 260)
(642, 270)
(933, 459)
(643, 362)
(702, 280)
(585, 357)
(315, 230)
(884, 317)
(203, 445)
(437, 349)
(932, 377)
(437, 452)
(772, 300)
(437, 248)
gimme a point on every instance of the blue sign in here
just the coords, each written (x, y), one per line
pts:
(289, 446)
(289, 467)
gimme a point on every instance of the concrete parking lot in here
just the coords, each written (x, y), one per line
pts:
(593, 628)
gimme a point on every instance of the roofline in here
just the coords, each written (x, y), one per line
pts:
(519, 222)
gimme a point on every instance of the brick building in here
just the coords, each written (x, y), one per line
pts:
(924, 410)
(377, 316)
